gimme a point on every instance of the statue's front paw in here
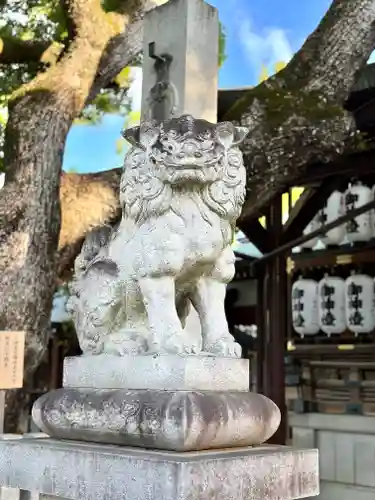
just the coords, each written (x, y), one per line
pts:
(122, 347)
(225, 347)
(175, 346)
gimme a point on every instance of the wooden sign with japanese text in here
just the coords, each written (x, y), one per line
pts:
(12, 347)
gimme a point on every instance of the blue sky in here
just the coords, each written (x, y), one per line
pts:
(259, 32)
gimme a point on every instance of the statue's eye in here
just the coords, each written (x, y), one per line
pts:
(198, 154)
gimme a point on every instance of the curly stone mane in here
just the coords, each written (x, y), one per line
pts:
(227, 195)
(142, 192)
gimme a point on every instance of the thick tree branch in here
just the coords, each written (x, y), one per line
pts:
(121, 51)
(14, 50)
(337, 49)
(87, 201)
(124, 48)
(297, 116)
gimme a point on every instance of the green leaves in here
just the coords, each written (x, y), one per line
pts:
(222, 45)
(132, 119)
(264, 75)
(108, 101)
(123, 78)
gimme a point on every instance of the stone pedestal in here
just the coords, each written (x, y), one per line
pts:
(82, 471)
(166, 402)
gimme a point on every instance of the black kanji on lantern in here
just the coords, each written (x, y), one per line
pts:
(355, 304)
(327, 304)
(298, 307)
(322, 217)
(350, 202)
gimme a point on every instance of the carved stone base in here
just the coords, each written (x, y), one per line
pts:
(159, 372)
(166, 420)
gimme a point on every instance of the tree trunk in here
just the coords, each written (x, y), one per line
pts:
(40, 116)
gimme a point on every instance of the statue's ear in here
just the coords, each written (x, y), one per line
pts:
(225, 132)
(143, 136)
(229, 136)
(148, 134)
(132, 135)
(240, 135)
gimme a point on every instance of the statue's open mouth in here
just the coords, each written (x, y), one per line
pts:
(190, 163)
(188, 166)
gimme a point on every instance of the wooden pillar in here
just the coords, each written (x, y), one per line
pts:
(275, 327)
(260, 317)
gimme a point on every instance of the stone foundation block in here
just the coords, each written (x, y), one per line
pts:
(85, 471)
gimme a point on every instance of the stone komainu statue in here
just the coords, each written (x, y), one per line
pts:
(181, 192)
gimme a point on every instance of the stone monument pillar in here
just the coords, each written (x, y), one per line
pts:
(184, 34)
(149, 412)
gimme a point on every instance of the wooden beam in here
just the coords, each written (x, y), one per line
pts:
(322, 230)
(244, 256)
(346, 166)
(295, 211)
(311, 201)
(256, 233)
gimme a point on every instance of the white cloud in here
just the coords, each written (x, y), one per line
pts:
(372, 58)
(264, 47)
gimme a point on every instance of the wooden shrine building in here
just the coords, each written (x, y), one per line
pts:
(278, 267)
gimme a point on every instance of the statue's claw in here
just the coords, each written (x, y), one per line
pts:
(226, 347)
(121, 346)
(175, 346)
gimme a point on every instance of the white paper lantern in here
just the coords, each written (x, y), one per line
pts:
(312, 226)
(360, 303)
(360, 228)
(331, 306)
(305, 316)
(335, 208)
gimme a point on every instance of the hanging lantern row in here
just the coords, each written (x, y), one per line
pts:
(361, 228)
(334, 305)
